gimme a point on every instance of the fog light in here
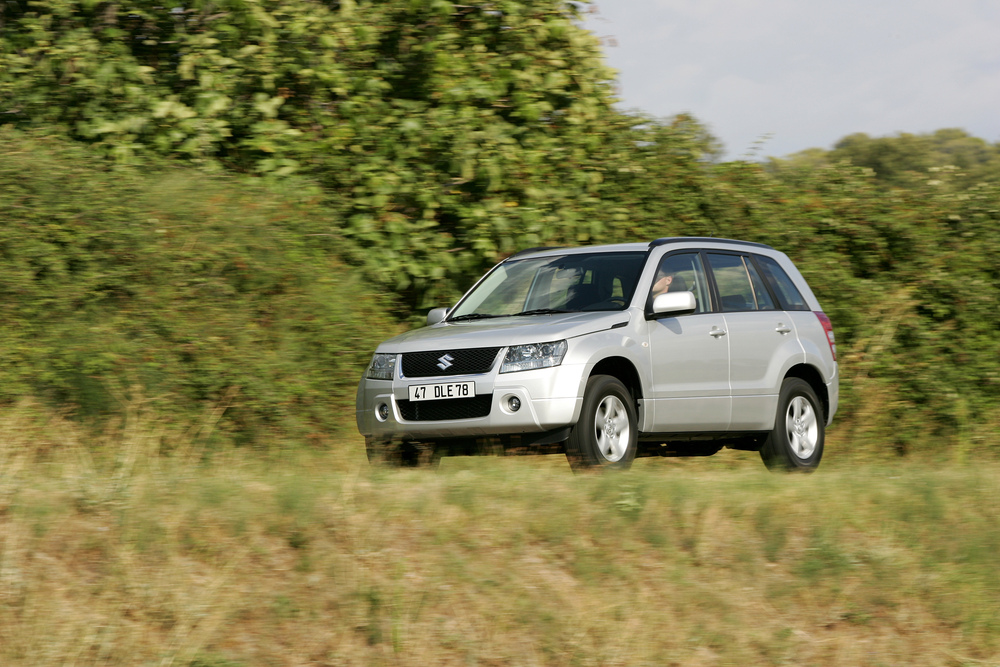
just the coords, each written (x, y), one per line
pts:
(514, 403)
(383, 412)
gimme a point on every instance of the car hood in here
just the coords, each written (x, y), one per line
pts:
(503, 331)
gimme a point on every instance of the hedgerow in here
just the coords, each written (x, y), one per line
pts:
(427, 140)
(208, 295)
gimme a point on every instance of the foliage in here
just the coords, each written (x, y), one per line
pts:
(206, 293)
(434, 126)
(909, 160)
(433, 139)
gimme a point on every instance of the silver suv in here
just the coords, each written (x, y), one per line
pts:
(677, 347)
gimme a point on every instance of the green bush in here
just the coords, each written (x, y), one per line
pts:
(205, 291)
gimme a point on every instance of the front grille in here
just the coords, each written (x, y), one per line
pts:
(426, 364)
(452, 408)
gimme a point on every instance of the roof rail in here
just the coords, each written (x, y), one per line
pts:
(530, 250)
(703, 239)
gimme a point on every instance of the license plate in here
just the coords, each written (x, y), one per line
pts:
(437, 392)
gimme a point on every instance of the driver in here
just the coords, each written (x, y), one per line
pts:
(668, 282)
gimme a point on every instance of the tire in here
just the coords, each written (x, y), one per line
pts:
(796, 442)
(406, 454)
(606, 437)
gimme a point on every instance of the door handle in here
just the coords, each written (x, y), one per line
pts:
(717, 332)
(782, 329)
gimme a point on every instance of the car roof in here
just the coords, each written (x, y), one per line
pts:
(632, 247)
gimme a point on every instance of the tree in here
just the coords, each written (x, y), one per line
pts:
(908, 160)
(433, 126)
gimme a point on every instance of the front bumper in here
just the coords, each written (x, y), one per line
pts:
(550, 398)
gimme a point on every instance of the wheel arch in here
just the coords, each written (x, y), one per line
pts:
(623, 369)
(812, 375)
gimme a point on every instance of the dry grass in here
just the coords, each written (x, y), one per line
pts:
(113, 554)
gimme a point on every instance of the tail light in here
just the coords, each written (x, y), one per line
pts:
(828, 329)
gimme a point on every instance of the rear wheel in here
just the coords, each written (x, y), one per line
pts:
(796, 442)
(607, 435)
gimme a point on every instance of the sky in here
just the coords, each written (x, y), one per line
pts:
(774, 77)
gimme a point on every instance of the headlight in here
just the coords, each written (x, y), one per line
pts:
(536, 355)
(382, 367)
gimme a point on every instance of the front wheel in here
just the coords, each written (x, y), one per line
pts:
(607, 435)
(796, 442)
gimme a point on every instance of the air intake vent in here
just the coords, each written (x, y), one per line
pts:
(455, 408)
(449, 362)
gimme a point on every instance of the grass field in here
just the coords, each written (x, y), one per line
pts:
(115, 554)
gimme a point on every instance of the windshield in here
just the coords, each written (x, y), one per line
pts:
(561, 284)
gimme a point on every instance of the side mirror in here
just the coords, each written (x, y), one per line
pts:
(435, 315)
(674, 303)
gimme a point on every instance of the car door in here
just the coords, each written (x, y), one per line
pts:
(762, 340)
(689, 355)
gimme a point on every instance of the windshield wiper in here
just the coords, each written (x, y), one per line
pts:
(543, 311)
(470, 316)
(484, 316)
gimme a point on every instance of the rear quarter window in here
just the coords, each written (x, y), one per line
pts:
(788, 294)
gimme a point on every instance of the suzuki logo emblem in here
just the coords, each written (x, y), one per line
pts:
(445, 362)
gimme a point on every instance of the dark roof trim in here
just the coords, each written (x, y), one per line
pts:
(703, 239)
(531, 250)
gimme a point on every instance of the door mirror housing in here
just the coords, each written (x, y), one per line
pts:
(674, 303)
(435, 315)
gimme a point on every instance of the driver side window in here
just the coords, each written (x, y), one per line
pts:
(682, 273)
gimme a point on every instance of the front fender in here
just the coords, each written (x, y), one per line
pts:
(621, 343)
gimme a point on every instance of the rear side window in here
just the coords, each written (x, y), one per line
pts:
(788, 295)
(740, 288)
